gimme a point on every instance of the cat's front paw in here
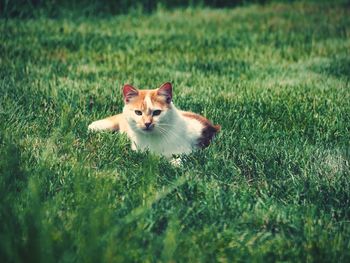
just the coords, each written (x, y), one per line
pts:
(100, 125)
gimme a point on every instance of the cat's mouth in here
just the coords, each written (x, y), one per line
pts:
(148, 129)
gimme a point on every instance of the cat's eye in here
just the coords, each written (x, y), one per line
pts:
(138, 112)
(156, 112)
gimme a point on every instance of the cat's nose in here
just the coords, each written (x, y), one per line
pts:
(148, 124)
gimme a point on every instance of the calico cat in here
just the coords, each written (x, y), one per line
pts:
(151, 121)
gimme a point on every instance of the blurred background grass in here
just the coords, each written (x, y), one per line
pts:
(56, 8)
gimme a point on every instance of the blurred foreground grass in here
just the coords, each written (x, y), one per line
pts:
(274, 186)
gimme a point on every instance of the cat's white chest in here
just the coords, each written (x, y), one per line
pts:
(181, 138)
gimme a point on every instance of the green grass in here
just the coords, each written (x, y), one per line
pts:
(274, 186)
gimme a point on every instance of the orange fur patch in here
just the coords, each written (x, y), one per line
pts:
(138, 102)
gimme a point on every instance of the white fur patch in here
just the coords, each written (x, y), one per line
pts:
(148, 102)
(101, 125)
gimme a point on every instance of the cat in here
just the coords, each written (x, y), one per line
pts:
(152, 122)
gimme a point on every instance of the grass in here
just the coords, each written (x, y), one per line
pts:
(274, 186)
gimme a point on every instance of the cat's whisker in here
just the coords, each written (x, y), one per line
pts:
(165, 133)
(166, 137)
(172, 133)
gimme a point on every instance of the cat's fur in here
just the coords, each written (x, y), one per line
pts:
(171, 132)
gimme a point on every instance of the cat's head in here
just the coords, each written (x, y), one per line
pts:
(147, 111)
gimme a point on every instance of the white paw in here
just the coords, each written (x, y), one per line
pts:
(177, 162)
(100, 125)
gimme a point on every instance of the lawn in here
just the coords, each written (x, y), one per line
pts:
(273, 186)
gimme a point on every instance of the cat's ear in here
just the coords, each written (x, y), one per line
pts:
(129, 92)
(166, 90)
